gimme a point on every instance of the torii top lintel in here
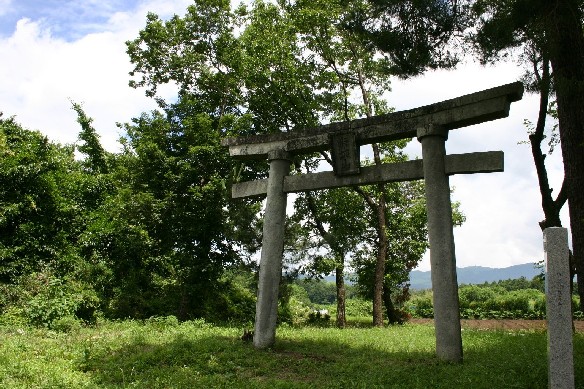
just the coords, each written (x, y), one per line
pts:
(474, 108)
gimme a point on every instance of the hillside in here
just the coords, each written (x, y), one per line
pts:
(477, 275)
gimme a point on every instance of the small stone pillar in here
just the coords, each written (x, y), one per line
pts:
(441, 237)
(558, 309)
(272, 251)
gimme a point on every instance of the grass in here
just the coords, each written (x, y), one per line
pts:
(165, 354)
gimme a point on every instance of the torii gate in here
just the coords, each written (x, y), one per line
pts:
(430, 124)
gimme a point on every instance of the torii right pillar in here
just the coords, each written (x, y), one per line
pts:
(441, 237)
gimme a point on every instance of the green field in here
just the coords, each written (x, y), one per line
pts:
(162, 353)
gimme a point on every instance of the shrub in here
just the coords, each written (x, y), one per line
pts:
(420, 305)
(357, 307)
(473, 296)
(66, 324)
(162, 322)
(42, 299)
(233, 301)
(294, 311)
(487, 302)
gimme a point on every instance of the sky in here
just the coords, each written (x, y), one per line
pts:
(55, 52)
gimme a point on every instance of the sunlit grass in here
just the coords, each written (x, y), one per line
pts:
(165, 354)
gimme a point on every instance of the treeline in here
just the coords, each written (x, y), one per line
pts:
(146, 231)
(151, 230)
(507, 299)
(518, 298)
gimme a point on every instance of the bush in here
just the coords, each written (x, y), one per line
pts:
(420, 304)
(66, 324)
(13, 316)
(357, 307)
(162, 322)
(487, 302)
(473, 296)
(43, 299)
(293, 311)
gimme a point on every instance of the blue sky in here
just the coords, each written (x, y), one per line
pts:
(58, 51)
(67, 19)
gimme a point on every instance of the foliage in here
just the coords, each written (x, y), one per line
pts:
(95, 161)
(497, 300)
(536, 282)
(321, 291)
(43, 300)
(358, 307)
(235, 301)
(319, 318)
(294, 307)
(41, 196)
(416, 36)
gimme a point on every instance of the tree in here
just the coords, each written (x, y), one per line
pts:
(413, 40)
(333, 224)
(41, 194)
(356, 70)
(556, 28)
(415, 35)
(165, 235)
(95, 160)
(311, 71)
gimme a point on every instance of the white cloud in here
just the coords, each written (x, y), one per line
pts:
(45, 72)
(502, 209)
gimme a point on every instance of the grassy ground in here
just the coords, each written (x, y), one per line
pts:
(165, 354)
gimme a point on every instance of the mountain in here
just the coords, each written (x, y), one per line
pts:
(477, 275)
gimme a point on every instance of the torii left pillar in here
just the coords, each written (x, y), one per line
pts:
(272, 251)
(441, 237)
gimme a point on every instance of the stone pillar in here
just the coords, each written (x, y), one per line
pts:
(558, 309)
(441, 237)
(272, 251)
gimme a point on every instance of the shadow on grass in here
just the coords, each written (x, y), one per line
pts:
(357, 358)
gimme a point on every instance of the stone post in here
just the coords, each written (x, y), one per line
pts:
(558, 309)
(272, 251)
(441, 237)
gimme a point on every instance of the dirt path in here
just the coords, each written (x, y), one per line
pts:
(503, 324)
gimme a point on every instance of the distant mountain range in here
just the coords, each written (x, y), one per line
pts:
(477, 275)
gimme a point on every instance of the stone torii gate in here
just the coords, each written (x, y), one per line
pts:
(430, 124)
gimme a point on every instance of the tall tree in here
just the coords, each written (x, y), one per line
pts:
(170, 239)
(41, 195)
(311, 71)
(359, 78)
(556, 27)
(334, 223)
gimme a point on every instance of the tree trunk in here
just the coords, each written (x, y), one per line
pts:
(392, 314)
(566, 48)
(379, 209)
(551, 208)
(340, 281)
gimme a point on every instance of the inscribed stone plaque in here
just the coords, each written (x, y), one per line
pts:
(345, 153)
